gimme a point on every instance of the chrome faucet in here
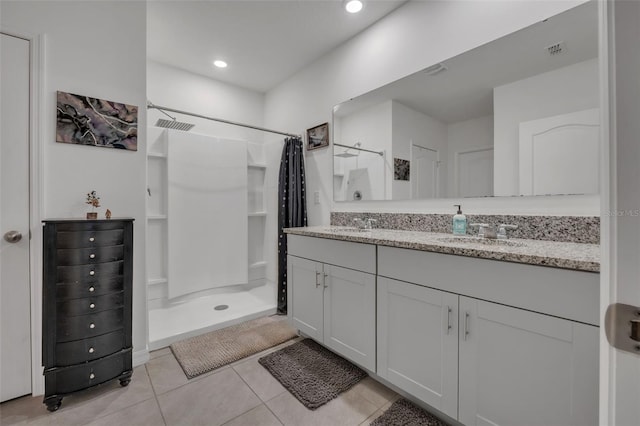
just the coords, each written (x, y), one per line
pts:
(502, 230)
(485, 230)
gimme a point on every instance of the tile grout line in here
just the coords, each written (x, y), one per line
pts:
(257, 396)
(155, 395)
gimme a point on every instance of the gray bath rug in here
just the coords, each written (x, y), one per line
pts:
(200, 354)
(313, 374)
(406, 413)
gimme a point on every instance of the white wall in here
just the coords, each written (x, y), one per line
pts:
(182, 90)
(568, 89)
(466, 135)
(372, 128)
(396, 46)
(96, 49)
(412, 127)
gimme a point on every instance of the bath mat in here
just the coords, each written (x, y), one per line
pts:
(313, 374)
(405, 413)
(201, 354)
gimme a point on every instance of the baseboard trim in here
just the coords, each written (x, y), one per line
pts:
(140, 357)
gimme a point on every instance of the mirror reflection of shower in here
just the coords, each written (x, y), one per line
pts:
(359, 172)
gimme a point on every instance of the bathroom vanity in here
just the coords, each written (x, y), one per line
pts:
(485, 332)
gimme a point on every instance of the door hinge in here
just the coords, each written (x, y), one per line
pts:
(622, 327)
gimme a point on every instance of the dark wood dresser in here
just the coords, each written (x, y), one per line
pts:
(86, 318)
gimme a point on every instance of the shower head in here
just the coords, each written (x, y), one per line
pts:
(174, 124)
(345, 155)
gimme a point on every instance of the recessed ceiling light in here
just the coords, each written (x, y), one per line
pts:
(353, 6)
(220, 64)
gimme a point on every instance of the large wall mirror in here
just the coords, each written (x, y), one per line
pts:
(517, 116)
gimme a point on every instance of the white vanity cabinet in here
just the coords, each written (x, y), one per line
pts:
(330, 303)
(418, 342)
(513, 366)
(523, 368)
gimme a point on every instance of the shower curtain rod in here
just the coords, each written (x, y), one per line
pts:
(151, 105)
(380, 153)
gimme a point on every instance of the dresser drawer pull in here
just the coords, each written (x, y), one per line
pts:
(92, 239)
(92, 289)
(92, 272)
(92, 305)
(91, 350)
(92, 325)
(92, 376)
(92, 256)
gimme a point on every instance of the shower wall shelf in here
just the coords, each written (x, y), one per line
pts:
(157, 217)
(257, 214)
(256, 166)
(156, 155)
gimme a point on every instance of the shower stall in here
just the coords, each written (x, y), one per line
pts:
(208, 239)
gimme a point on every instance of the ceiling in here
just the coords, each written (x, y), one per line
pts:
(465, 89)
(264, 42)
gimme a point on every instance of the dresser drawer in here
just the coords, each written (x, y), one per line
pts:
(89, 288)
(83, 326)
(89, 255)
(89, 239)
(70, 379)
(78, 351)
(90, 305)
(84, 273)
(89, 225)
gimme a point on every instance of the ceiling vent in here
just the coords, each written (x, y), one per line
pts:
(557, 49)
(435, 69)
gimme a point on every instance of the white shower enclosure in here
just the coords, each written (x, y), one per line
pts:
(206, 234)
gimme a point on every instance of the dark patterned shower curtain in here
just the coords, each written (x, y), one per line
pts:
(292, 207)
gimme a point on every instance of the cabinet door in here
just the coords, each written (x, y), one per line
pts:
(350, 314)
(304, 280)
(523, 368)
(418, 342)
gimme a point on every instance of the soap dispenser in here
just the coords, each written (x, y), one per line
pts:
(459, 222)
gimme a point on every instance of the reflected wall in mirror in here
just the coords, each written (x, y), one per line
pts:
(517, 116)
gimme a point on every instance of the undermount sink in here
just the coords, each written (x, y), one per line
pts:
(482, 241)
(346, 229)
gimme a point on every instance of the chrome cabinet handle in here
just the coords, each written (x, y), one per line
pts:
(92, 325)
(92, 289)
(449, 326)
(92, 273)
(12, 236)
(324, 281)
(466, 325)
(92, 376)
(92, 239)
(91, 350)
(92, 305)
(318, 273)
(92, 256)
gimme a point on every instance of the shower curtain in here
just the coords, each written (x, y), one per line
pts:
(292, 207)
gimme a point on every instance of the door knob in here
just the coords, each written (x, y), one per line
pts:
(12, 236)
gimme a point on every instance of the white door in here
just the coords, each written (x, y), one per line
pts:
(418, 342)
(620, 271)
(424, 172)
(560, 154)
(304, 282)
(15, 353)
(474, 173)
(350, 314)
(523, 368)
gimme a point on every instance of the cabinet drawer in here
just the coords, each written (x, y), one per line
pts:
(358, 256)
(89, 349)
(89, 288)
(80, 327)
(70, 379)
(83, 273)
(89, 239)
(90, 305)
(89, 225)
(89, 255)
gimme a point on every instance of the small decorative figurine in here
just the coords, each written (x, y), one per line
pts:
(107, 214)
(94, 201)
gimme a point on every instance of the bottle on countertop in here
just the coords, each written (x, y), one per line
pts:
(459, 222)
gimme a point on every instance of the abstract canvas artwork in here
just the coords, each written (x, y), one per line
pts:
(90, 121)
(401, 169)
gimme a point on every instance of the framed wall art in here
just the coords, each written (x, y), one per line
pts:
(318, 137)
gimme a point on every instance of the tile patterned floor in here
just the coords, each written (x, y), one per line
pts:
(239, 394)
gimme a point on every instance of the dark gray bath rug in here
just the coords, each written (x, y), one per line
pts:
(405, 413)
(313, 374)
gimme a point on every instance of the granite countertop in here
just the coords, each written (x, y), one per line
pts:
(576, 256)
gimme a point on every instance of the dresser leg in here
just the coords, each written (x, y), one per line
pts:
(53, 402)
(125, 378)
